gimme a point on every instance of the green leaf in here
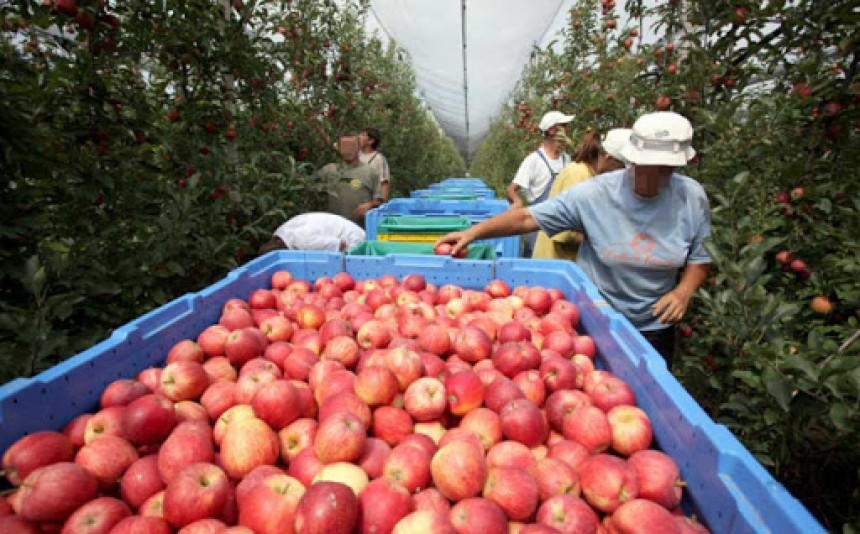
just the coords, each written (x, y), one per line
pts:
(174, 268)
(779, 387)
(794, 361)
(841, 415)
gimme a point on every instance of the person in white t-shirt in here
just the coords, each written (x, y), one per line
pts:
(538, 170)
(316, 231)
(369, 140)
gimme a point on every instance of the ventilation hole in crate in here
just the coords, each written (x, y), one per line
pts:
(14, 400)
(44, 391)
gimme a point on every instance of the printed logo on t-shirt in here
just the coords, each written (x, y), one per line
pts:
(641, 250)
(355, 183)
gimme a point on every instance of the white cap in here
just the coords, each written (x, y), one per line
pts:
(552, 118)
(614, 141)
(660, 138)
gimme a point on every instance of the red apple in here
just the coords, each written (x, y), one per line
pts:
(607, 482)
(340, 438)
(249, 384)
(539, 300)
(391, 424)
(219, 368)
(209, 525)
(523, 421)
(405, 364)
(554, 477)
(612, 392)
(276, 403)
(218, 398)
(50, 494)
(425, 522)
(247, 444)
(15, 524)
(566, 309)
(141, 525)
(373, 460)
(563, 402)
(98, 516)
(486, 424)
(473, 344)
(148, 420)
(478, 516)
(107, 458)
(465, 392)
(190, 442)
(34, 451)
(106, 422)
(270, 508)
(198, 491)
(346, 473)
(568, 514)
(631, 429)
(409, 466)
(499, 392)
(641, 515)
(512, 358)
(532, 386)
(75, 430)
(277, 328)
(381, 505)
(658, 476)
(254, 478)
(584, 345)
(373, 335)
(296, 437)
(435, 339)
(345, 402)
(183, 380)
(376, 385)
(212, 340)
(305, 466)
(589, 426)
(243, 345)
(570, 452)
(235, 413)
(459, 470)
(299, 363)
(559, 373)
(425, 399)
(514, 490)
(141, 481)
(327, 508)
(236, 319)
(122, 392)
(497, 289)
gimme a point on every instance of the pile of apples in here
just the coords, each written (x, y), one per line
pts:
(369, 406)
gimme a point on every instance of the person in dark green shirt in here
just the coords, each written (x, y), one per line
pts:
(354, 186)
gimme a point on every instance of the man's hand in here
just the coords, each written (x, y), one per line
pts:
(361, 209)
(672, 306)
(459, 240)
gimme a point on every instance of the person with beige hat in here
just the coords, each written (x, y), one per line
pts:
(644, 228)
(595, 156)
(539, 169)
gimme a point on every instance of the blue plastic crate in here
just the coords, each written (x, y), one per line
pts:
(726, 487)
(442, 186)
(473, 182)
(476, 210)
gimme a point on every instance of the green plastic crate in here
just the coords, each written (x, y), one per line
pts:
(423, 224)
(383, 248)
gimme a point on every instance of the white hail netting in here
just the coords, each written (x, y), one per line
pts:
(500, 35)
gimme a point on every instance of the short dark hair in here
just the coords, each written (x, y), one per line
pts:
(374, 135)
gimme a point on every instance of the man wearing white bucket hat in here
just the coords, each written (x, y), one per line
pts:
(642, 226)
(539, 169)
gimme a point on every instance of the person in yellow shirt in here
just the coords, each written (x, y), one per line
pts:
(592, 159)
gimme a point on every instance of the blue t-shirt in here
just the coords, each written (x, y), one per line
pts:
(633, 246)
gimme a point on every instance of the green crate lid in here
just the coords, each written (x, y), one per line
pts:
(383, 248)
(422, 224)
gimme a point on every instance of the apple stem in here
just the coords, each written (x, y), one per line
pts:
(680, 484)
